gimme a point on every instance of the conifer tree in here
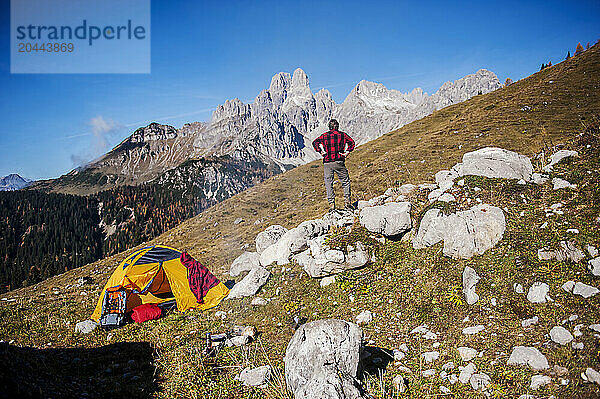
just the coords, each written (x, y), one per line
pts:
(578, 49)
(508, 82)
(568, 55)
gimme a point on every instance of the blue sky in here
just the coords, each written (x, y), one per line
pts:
(204, 52)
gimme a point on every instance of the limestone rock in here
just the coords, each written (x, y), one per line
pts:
(473, 330)
(390, 219)
(256, 377)
(244, 263)
(594, 266)
(86, 326)
(470, 280)
(538, 292)
(465, 233)
(558, 183)
(586, 291)
(466, 373)
(592, 375)
(322, 360)
(538, 381)
(466, 353)
(497, 163)
(479, 382)
(429, 357)
(557, 157)
(364, 317)
(269, 237)
(560, 335)
(528, 356)
(250, 284)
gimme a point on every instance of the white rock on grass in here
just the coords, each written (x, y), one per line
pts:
(364, 317)
(529, 322)
(428, 373)
(444, 390)
(538, 381)
(429, 357)
(479, 382)
(497, 163)
(466, 373)
(470, 280)
(258, 301)
(591, 250)
(466, 353)
(524, 396)
(325, 281)
(269, 237)
(528, 356)
(557, 157)
(244, 263)
(539, 178)
(594, 266)
(86, 326)
(568, 251)
(390, 219)
(538, 292)
(518, 288)
(558, 183)
(464, 233)
(560, 335)
(473, 330)
(250, 284)
(322, 360)
(592, 375)
(584, 290)
(568, 286)
(256, 377)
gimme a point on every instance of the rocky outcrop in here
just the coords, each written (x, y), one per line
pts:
(269, 237)
(497, 163)
(322, 360)
(250, 284)
(244, 263)
(465, 233)
(321, 261)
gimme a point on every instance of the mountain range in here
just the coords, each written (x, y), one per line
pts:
(277, 128)
(13, 182)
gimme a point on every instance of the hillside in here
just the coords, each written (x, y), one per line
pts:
(404, 288)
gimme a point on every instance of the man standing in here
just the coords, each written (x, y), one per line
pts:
(334, 146)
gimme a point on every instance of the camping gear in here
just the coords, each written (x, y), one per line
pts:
(145, 312)
(155, 274)
(114, 306)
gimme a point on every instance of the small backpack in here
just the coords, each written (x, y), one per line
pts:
(114, 307)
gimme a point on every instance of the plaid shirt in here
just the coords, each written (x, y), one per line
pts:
(199, 277)
(334, 143)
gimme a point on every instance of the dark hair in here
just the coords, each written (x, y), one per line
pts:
(334, 124)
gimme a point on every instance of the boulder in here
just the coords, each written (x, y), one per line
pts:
(250, 284)
(244, 263)
(528, 356)
(86, 326)
(538, 178)
(560, 335)
(466, 373)
(470, 280)
(584, 290)
(320, 261)
(497, 163)
(293, 241)
(592, 375)
(446, 197)
(269, 237)
(256, 377)
(538, 292)
(465, 233)
(390, 219)
(322, 360)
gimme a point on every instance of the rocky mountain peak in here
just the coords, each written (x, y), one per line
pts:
(299, 80)
(280, 82)
(13, 182)
(154, 131)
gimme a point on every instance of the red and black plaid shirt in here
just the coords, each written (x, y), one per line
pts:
(199, 277)
(334, 143)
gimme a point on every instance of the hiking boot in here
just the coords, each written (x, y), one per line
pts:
(348, 206)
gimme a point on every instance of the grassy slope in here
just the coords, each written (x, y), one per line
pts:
(561, 99)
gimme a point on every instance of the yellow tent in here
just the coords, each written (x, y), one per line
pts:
(155, 274)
